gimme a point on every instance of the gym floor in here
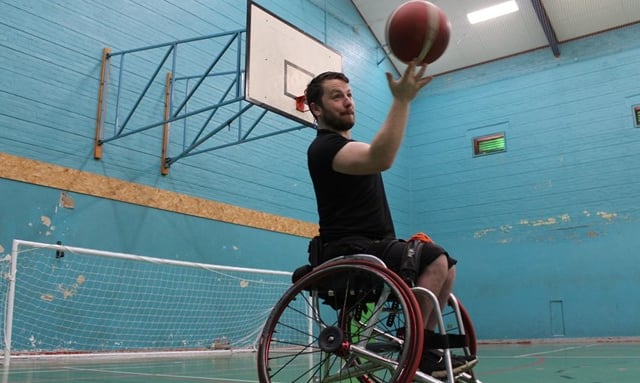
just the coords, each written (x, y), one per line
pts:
(587, 362)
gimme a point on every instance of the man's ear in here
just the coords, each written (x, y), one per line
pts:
(314, 109)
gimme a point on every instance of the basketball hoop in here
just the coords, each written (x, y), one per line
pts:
(300, 103)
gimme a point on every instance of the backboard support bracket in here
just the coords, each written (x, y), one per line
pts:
(229, 80)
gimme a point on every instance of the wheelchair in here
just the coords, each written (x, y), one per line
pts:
(353, 320)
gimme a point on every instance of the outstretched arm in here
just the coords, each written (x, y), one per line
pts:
(363, 158)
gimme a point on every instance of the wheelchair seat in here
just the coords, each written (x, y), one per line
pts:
(345, 290)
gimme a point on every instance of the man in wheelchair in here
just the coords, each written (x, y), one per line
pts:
(354, 216)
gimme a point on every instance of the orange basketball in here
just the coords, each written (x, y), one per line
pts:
(418, 29)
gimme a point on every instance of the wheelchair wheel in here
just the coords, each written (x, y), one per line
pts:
(469, 331)
(455, 321)
(346, 321)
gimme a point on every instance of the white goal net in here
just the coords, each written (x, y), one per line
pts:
(63, 300)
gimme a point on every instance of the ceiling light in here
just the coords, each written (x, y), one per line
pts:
(492, 12)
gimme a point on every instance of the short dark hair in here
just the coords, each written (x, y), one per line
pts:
(315, 90)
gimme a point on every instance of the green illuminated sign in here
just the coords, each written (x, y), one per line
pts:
(493, 143)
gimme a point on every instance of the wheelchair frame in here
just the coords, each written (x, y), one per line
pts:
(363, 324)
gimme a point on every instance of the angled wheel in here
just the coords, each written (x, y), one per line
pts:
(469, 331)
(346, 321)
(461, 324)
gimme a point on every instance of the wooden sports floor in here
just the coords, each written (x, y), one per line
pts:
(583, 362)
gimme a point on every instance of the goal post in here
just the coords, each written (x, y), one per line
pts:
(61, 300)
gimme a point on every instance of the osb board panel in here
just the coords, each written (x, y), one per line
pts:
(72, 180)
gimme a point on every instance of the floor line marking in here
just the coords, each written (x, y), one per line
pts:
(553, 351)
(537, 362)
(160, 375)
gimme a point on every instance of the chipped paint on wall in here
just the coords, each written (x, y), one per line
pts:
(66, 201)
(544, 222)
(45, 220)
(68, 292)
(607, 216)
(481, 233)
(561, 220)
(5, 268)
(47, 297)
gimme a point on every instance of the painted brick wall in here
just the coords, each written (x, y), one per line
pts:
(544, 227)
(49, 76)
(50, 72)
(550, 222)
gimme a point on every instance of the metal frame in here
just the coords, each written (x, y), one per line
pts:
(545, 23)
(453, 302)
(233, 95)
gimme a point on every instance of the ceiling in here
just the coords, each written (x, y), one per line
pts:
(538, 24)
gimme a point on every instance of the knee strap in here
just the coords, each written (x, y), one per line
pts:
(434, 341)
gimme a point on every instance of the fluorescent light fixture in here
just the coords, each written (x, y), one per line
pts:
(492, 12)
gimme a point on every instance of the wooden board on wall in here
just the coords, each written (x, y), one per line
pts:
(72, 180)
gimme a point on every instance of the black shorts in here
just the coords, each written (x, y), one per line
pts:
(390, 251)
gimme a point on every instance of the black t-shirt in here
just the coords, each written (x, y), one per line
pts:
(348, 205)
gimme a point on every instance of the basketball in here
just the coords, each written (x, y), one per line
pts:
(418, 29)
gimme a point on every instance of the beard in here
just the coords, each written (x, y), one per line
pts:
(339, 123)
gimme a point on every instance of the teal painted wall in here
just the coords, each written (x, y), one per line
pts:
(33, 213)
(552, 219)
(50, 71)
(49, 74)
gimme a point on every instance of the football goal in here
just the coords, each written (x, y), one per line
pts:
(61, 300)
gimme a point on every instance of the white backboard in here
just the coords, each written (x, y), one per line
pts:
(281, 60)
